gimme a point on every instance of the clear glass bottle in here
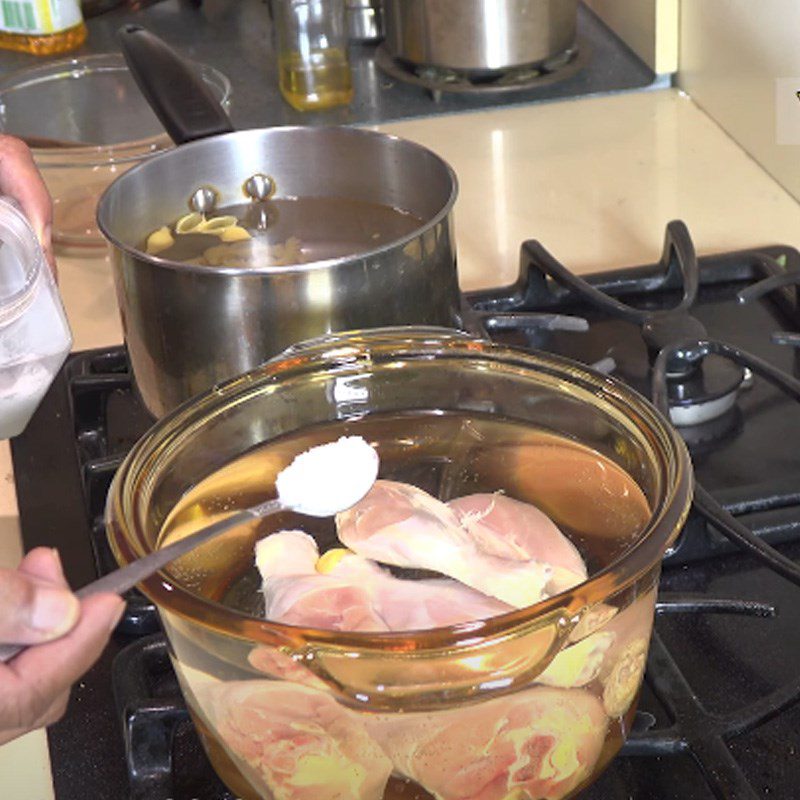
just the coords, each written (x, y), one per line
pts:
(41, 27)
(313, 68)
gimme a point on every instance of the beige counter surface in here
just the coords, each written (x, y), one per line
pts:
(595, 180)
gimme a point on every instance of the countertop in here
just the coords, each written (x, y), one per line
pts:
(235, 37)
(594, 179)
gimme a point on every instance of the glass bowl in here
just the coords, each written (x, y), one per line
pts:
(86, 122)
(529, 704)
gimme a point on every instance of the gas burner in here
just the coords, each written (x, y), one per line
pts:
(704, 437)
(704, 503)
(637, 313)
(700, 388)
(439, 79)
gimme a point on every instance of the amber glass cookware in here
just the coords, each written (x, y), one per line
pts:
(530, 704)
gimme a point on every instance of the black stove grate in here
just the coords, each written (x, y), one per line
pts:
(692, 378)
(719, 704)
(634, 313)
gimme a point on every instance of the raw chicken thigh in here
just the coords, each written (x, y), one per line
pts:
(540, 743)
(500, 547)
(296, 594)
(343, 591)
(296, 742)
(509, 529)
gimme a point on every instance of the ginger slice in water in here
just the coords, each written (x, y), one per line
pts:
(234, 233)
(253, 253)
(622, 684)
(226, 228)
(189, 222)
(159, 240)
(216, 224)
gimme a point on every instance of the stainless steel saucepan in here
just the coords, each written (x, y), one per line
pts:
(188, 327)
(476, 36)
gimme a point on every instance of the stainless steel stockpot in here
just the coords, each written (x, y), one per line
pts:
(189, 327)
(364, 20)
(476, 36)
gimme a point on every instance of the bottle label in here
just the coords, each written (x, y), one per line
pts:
(38, 17)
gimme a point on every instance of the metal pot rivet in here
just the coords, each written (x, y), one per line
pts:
(259, 186)
(203, 200)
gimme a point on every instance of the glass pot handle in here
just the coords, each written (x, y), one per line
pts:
(398, 333)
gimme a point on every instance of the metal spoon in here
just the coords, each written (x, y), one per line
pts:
(306, 469)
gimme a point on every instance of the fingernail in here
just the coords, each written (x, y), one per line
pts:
(55, 611)
(46, 237)
(117, 615)
(57, 559)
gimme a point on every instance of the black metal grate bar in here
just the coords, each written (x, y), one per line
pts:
(778, 280)
(696, 730)
(681, 603)
(152, 710)
(786, 337)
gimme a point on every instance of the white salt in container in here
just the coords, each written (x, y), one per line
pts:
(34, 334)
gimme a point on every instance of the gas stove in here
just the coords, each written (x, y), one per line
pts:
(718, 714)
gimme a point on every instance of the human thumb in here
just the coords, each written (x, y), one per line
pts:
(33, 610)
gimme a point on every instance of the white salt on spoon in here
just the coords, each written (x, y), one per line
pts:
(320, 482)
(328, 478)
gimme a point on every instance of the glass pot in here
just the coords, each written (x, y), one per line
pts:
(529, 704)
(86, 123)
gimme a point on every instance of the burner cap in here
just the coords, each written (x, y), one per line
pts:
(706, 393)
(663, 328)
(705, 436)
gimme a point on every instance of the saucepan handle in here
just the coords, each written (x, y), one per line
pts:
(177, 94)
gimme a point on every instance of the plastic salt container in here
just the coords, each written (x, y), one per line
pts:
(34, 334)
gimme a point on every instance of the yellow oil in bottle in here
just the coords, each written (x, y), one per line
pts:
(321, 79)
(45, 44)
(41, 27)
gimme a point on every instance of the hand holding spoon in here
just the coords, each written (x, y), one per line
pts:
(320, 482)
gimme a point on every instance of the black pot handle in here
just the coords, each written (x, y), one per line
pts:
(179, 96)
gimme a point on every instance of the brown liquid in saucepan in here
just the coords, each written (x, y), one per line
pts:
(287, 231)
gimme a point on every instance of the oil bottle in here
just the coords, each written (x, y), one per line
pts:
(41, 27)
(313, 68)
